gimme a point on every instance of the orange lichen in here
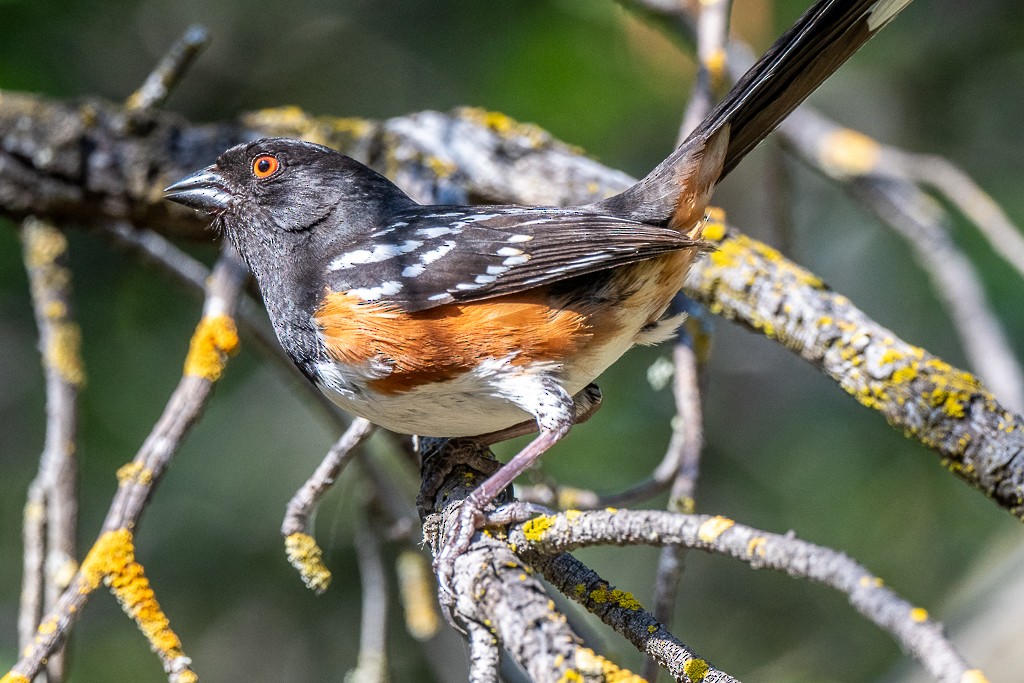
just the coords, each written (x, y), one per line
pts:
(214, 339)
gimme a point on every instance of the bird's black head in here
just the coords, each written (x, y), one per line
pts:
(275, 197)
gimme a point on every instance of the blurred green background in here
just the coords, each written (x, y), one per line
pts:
(786, 448)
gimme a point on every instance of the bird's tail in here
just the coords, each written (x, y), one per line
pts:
(678, 189)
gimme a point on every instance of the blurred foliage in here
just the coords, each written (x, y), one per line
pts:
(786, 448)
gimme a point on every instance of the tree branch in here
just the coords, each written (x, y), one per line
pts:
(111, 560)
(51, 512)
(554, 535)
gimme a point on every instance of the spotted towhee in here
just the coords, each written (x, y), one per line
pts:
(466, 320)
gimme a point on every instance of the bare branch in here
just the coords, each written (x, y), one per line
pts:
(169, 71)
(371, 665)
(973, 202)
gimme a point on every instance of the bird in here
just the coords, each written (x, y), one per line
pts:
(465, 321)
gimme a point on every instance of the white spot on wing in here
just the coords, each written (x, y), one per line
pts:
(520, 238)
(431, 233)
(428, 257)
(509, 251)
(496, 270)
(374, 293)
(413, 270)
(379, 252)
(514, 260)
(438, 297)
(485, 279)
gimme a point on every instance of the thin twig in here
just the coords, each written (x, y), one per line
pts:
(975, 204)
(921, 221)
(371, 664)
(300, 546)
(52, 506)
(683, 453)
(169, 70)
(911, 626)
(712, 33)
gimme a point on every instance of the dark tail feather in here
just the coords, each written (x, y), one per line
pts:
(799, 61)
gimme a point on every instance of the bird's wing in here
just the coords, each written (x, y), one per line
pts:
(436, 255)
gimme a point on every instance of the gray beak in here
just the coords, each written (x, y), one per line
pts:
(204, 190)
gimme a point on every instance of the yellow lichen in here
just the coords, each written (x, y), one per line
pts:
(11, 677)
(623, 599)
(970, 676)
(134, 472)
(714, 224)
(63, 352)
(440, 167)
(714, 527)
(593, 664)
(845, 153)
(696, 670)
(918, 615)
(871, 581)
(534, 529)
(290, 121)
(306, 556)
(214, 339)
(579, 589)
(756, 546)
(715, 64)
(506, 126)
(111, 560)
(652, 628)
(572, 515)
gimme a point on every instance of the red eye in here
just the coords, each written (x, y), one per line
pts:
(265, 165)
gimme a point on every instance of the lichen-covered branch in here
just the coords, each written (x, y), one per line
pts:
(111, 560)
(492, 588)
(489, 157)
(300, 546)
(51, 511)
(550, 536)
(945, 408)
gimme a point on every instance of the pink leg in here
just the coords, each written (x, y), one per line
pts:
(554, 410)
